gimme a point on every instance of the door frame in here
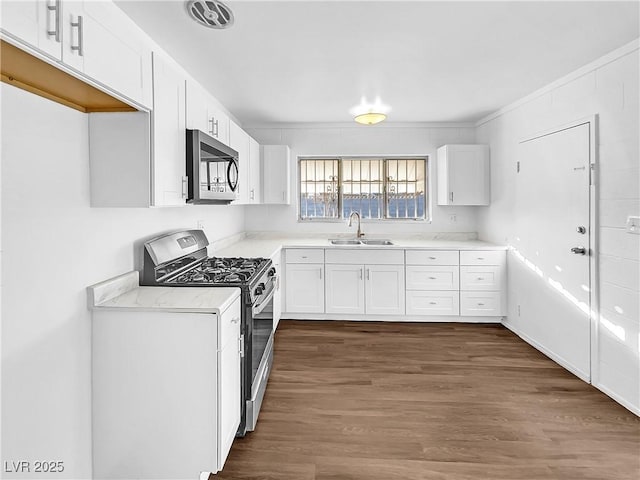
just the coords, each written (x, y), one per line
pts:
(594, 231)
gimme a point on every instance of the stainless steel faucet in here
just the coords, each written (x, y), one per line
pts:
(359, 233)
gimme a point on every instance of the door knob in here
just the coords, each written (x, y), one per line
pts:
(579, 250)
(581, 229)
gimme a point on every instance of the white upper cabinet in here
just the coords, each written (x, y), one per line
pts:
(204, 114)
(255, 172)
(169, 185)
(96, 39)
(463, 175)
(36, 23)
(239, 141)
(275, 174)
(100, 41)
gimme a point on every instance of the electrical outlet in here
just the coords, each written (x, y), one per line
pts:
(518, 310)
(633, 225)
(453, 218)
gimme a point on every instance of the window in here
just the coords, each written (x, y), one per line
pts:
(377, 188)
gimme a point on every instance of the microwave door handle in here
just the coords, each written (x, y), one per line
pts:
(209, 176)
(232, 180)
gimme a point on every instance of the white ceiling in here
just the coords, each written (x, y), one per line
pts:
(312, 61)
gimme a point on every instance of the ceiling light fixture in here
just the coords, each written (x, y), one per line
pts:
(369, 113)
(370, 118)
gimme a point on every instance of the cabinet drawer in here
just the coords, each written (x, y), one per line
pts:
(432, 257)
(230, 324)
(356, 256)
(481, 278)
(433, 303)
(482, 257)
(305, 255)
(432, 278)
(481, 304)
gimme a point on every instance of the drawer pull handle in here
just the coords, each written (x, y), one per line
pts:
(480, 278)
(480, 258)
(304, 256)
(235, 320)
(432, 303)
(480, 304)
(432, 258)
(432, 278)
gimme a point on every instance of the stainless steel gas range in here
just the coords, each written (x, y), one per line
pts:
(180, 259)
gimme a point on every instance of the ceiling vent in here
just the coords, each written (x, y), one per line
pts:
(210, 13)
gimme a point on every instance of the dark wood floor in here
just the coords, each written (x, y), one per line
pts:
(387, 401)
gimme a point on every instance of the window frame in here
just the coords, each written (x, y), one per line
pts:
(428, 208)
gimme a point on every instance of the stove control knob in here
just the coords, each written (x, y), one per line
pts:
(271, 272)
(259, 289)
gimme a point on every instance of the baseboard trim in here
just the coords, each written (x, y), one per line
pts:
(390, 319)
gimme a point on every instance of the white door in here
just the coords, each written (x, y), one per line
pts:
(304, 288)
(552, 284)
(345, 289)
(385, 289)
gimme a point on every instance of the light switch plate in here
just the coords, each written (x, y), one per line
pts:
(633, 224)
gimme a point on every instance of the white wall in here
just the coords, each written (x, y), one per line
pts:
(360, 140)
(54, 246)
(609, 88)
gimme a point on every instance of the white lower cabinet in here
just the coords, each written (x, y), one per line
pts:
(345, 289)
(304, 288)
(229, 379)
(482, 285)
(358, 289)
(481, 303)
(355, 286)
(433, 282)
(394, 282)
(433, 303)
(167, 386)
(384, 289)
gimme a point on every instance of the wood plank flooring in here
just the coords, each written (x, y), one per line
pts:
(387, 401)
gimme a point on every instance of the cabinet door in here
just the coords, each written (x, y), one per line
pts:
(239, 141)
(255, 172)
(277, 295)
(275, 174)
(384, 289)
(169, 148)
(100, 41)
(229, 379)
(218, 123)
(34, 22)
(196, 102)
(463, 175)
(304, 288)
(345, 288)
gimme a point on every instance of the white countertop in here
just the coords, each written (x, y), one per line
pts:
(124, 292)
(268, 244)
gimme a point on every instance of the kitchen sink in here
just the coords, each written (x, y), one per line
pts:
(355, 241)
(376, 242)
(345, 241)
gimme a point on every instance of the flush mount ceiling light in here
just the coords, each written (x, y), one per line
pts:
(369, 113)
(210, 13)
(370, 118)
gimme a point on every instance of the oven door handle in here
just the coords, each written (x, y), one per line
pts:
(259, 307)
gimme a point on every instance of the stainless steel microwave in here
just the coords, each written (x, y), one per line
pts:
(212, 170)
